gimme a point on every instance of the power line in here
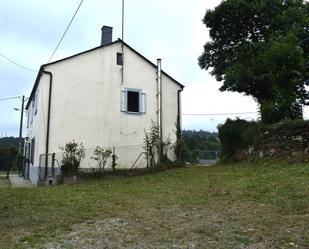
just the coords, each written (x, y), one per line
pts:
(217, 114)
(15, 63)
(9, 98)
(65, 30)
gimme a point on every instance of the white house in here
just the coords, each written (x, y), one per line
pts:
(106, 96)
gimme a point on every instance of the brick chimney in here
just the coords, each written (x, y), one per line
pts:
(107, 35)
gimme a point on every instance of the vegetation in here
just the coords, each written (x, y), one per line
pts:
(155, 146)
(179, 146)
(244, 205)
(9, 155)
(101, 155)
(237, 135)
(73, 153)
(261, 48)
(10, 141)
(196, 142)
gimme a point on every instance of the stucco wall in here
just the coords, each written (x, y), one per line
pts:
(86, 103)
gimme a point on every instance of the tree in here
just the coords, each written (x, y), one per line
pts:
(261, 48)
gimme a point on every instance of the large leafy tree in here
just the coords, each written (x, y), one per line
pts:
(261, 48)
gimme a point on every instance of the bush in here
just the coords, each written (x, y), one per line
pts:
(73, 153)
(237, 135)
(101, 155)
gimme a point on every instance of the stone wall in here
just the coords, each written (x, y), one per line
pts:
(286, 141)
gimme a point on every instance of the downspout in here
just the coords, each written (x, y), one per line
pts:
(178, 124)
(159, 106)
(48, 120)
(179, 104)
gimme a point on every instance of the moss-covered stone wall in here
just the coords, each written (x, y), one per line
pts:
(286, 141)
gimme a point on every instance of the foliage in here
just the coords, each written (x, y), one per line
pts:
(11, 141)
(73, 153)
(261, 48)
(196, 142)
(153, 144)
(292, 124)
(179, 146)
(237, 135)
(8, 156)
(114, 158)
(101, 155)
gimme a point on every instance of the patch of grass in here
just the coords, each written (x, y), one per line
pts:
(4, 182)
(225, 206)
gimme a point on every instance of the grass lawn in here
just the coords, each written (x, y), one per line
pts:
(4, 183)
(224, 206)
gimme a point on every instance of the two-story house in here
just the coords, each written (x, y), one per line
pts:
(106, 96)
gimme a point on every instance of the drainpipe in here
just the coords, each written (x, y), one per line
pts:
(48, 120)
(179, 104)
(159, 105)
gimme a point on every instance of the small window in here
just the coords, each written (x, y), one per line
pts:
(28, 118)
(133, 101)
(119, 59)
(32, 150)
(36, 99)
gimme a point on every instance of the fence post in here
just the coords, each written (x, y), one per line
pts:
(53, 163)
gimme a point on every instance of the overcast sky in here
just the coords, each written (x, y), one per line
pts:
(167, 29)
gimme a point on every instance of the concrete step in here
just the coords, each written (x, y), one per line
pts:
(18, 181)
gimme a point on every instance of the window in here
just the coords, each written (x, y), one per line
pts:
(36, 100)
(28, 118)
(133, 101)
(32, 150)
(119, 59)
(32, 110)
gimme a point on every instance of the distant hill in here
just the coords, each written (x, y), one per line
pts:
(200, 133)
(9, 141)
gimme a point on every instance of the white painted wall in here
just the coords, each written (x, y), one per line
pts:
(86, 104)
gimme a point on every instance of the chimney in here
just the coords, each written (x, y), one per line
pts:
(107, 35)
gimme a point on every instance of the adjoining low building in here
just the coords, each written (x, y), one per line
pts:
(106, 96)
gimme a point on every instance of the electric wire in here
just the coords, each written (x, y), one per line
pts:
(217, 114)
(66, 30)
(9, 98)
(17, 64)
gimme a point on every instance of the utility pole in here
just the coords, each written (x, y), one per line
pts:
(21, 117)
(21, 166)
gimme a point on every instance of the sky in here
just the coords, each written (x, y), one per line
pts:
(168, 29)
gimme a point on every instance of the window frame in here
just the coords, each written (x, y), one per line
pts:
(36, 102)
(119, 59)
(32, 150)
(141, 100)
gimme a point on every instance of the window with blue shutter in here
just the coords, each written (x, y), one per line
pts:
(133, 101)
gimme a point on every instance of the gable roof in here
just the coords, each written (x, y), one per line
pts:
(87, 51)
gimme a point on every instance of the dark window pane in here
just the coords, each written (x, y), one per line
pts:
(32, 150)
(119, 59)
(133, 101)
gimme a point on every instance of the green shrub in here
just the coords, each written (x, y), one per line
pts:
(73, 153)
(101, 155)
(288, 123)
(236, 136)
